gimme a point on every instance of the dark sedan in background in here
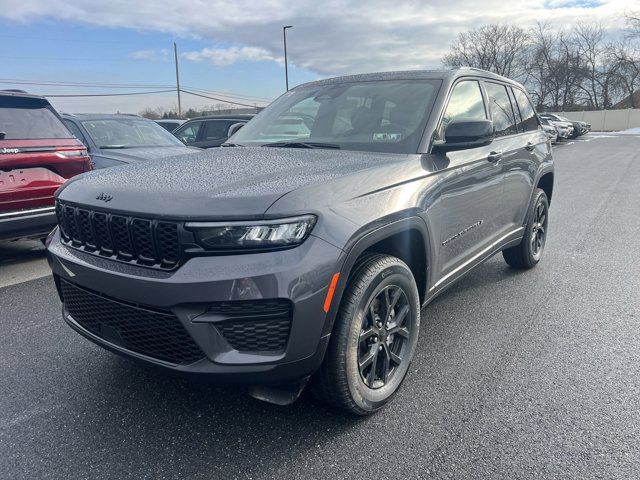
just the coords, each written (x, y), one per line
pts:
(208, 132)
(169, 124)
(118, 139)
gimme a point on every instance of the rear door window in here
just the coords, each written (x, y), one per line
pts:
(29, 120)
(527, 112)
(504, 121)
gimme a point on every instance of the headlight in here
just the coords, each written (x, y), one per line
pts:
(253, 235)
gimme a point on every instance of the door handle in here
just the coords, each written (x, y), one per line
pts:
(494, 157)
(530, 146)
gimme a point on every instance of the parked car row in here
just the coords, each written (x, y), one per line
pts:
(118, 139)
(209, 132)
(41, 149)
(564, 127)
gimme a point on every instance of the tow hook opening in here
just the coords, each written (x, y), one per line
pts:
(284, 394)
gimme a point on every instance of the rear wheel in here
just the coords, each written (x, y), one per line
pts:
(529, 252)
(374, 337)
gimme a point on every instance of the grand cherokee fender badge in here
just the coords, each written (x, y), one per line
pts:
(459, 234)
(104, 197)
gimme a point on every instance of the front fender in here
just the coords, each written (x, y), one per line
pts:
(363, 240)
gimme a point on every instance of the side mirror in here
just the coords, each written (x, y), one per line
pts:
(462, 133)
(234, 128)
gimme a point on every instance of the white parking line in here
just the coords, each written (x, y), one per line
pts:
(23, 271)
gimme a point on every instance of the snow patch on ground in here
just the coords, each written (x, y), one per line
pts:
(630, 131)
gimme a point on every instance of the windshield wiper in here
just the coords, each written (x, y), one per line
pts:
(231, 145)
(302, 145)
(114, 146)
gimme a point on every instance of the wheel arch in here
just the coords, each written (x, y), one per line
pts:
(407, 239)
(545, 182)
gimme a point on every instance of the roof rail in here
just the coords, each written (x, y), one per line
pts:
(475, 69)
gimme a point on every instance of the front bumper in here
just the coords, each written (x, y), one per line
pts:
(37, 222)
(301, 275)
(564, 133)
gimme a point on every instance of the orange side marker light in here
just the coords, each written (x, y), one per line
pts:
(331, 291)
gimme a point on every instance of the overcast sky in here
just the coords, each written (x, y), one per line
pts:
(236, 46)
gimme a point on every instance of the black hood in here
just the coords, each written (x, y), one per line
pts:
(217, 184)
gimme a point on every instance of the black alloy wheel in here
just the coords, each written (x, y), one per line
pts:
(383, 337)
(539, 230)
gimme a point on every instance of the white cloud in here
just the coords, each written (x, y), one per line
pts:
(223, 57)
(330, 37)
(151, 54)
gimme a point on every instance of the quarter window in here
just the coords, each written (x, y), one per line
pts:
(465, 102)
(528, 114)
(504, 121)
(76, 131)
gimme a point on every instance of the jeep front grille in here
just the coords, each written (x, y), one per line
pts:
(153, 243)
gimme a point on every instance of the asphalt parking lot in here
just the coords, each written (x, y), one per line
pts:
(518, 374)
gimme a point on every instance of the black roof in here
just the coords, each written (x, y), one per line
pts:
(21, 94)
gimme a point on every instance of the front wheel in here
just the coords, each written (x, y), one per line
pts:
(528, 253)
(374, 337)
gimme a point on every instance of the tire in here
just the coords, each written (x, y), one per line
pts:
(361, 336)
(529, 251)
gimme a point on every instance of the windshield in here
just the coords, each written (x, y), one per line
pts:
(129, 133)
(376, 116)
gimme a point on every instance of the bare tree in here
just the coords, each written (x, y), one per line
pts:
(497, 48)
(601, 78)
(625, 57)
(539, 63)
(633, 22)
(562, 70)
(151, 113)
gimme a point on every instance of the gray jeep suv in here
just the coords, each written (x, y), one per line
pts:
(307, 255)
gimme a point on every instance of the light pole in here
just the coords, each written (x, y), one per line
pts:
(175, 54)
(286, 68)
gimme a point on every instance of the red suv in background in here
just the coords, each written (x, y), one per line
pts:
(37, 155)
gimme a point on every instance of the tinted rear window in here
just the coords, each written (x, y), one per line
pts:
(27, 120)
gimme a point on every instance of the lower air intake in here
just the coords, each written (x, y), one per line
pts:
(255, 325)
(156, 334)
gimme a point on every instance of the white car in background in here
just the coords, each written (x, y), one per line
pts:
(565, 128)
(549, 129)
